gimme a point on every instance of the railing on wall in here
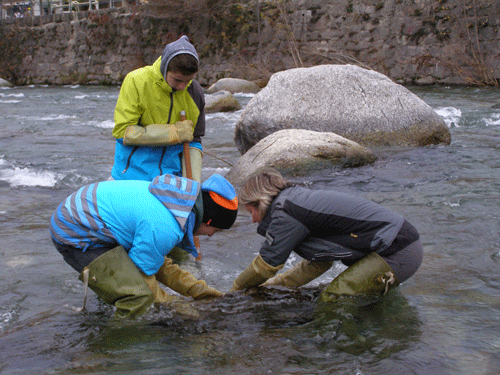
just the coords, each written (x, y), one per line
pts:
(10, 9)
(60, 6)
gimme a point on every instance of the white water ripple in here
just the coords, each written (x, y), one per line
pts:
(493, 121)
(450, 115)
(29, 177)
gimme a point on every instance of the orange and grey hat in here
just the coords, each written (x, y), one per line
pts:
(220, 203)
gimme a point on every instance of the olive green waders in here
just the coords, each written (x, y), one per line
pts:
(370, 275)
(115, 278)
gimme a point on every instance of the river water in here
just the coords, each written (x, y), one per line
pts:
(444, 320)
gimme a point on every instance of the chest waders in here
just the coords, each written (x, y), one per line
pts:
(370, 275)
(117, 281)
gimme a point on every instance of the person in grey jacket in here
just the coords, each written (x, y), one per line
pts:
(380, 247)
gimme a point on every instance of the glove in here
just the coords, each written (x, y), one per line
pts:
(196, 156)
(160, 295)
(300, 274)
(159, 134)
(255, 274)
(177, 304)
(184, 282)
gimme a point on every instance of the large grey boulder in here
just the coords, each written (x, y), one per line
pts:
(234, 85)
(359, 104)
(4, 83)
(221, 101)
(297, 151)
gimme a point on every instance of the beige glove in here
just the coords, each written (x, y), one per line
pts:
(184, 282)
(159, 134)
(196, 160)
(179, 305)
(255, 274)
(300, 274)
(160, 295)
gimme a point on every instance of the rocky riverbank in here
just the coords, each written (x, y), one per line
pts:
(410, 41)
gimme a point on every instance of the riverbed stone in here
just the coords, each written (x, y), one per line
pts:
(221, 101)
(234, 85)
(298, 151)
(359, 104)
(4, 83)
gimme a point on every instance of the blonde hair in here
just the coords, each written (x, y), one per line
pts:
(261, 188)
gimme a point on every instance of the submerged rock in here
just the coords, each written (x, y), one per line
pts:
(4, 83)
(297, 151)
(358, 104)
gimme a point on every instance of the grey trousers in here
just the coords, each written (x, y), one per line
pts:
(407, 261)
(77, 258)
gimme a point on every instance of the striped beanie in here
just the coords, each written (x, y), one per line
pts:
(220, 203)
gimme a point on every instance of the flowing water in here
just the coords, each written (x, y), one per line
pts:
(444, 320)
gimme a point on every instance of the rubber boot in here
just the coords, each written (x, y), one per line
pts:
(370, 275)
(117, 281)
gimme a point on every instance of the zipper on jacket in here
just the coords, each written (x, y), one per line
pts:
(129, 158)
(171, 106)
(168, 122)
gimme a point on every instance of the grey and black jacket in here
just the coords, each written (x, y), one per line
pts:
(321, 225)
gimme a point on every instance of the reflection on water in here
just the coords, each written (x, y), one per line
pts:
(441, 321)
(264, 331)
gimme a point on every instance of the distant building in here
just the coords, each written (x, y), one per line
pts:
(19, 9)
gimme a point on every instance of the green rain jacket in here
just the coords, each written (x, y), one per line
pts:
(146, 98)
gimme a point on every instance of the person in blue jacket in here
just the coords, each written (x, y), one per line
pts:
(117, 234)
(150, 129)
(380, 247)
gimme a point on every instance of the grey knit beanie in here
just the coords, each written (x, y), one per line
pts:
(173, 49)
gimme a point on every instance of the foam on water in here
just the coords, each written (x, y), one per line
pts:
(5, 318)
(20, 261)
(18, 95)
(10, 101)
(494, 120)
(450, 115)
(16, 176)
(244, 94)
(108, 124)
(57, 117)
(218, 170)
(10, 98)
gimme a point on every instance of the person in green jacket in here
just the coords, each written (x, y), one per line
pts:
(149, 129)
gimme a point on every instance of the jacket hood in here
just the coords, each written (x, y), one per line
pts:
(177, 194)
(181, 45)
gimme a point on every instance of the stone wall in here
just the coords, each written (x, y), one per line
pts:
(411, 41)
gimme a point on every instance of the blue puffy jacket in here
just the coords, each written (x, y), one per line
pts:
(147, 218)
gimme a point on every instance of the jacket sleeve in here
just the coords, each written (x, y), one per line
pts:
(198, 95)
(128, 109)
(283, 235)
